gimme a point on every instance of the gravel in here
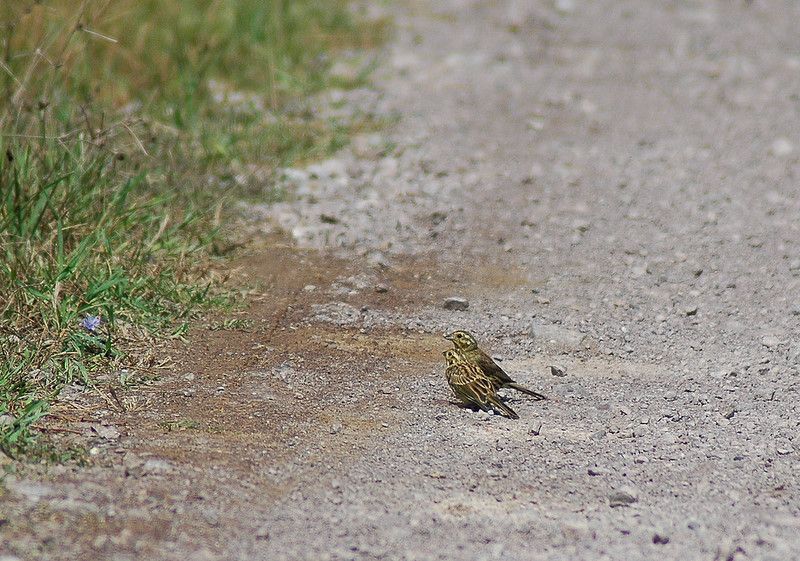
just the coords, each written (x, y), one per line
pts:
(611, 187)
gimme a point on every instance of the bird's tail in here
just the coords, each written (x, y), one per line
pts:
(502, 408)
(535, 395)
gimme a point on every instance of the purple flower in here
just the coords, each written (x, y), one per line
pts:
(91, 323)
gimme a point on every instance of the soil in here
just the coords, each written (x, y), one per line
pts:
(612, 187)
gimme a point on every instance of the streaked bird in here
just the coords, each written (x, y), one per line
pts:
(472, 386)
(468, 346)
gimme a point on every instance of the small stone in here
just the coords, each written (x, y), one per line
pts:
(729, 413)
(378, 260)
(328, 169)
(6, 419)
(556, 370)
(595, 471)
(782, 147)
(94, 451)
(309, 288)
(107, 432)
(794, 265)
(156, 466)
(336, 427)
(690, 310)
(770, 341)
(456, 303)
(212, 518)
(262, 533)
(660, 539)
(30, 490)
(132, 461)
(381, 288)
(565, 6)
(624, 496)
(784, 451)
(542, 300)
(537, 430)
(98, 543)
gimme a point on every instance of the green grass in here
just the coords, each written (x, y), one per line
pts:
(127, 126)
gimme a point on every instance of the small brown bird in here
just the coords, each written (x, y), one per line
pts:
(468, 346)
(472, 386)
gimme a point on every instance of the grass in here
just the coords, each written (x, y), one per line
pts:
(128, 125)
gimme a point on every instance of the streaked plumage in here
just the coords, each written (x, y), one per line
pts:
(472, 386)
(468, 346)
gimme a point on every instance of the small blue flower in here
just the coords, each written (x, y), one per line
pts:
(91, 323)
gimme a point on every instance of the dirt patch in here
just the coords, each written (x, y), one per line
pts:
(257, 409)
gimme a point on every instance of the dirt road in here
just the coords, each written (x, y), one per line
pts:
(612, 186)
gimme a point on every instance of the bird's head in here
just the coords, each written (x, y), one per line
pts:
(451, 357)
(462, 340)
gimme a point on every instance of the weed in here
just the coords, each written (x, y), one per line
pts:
(126, 127)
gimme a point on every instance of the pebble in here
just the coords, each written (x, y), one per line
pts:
(262, 533)
(660, 539)
(381, 288)
(6, 419)
(690, 310)
(107, 432)
(566, 6)
(327, 169)
(156, 466)
(782, 147)
(456, 303)
(28, 489)
(624, 496)
(770, 341)
(556, 370)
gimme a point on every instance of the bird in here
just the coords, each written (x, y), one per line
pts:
(468, 346)
(472, 386)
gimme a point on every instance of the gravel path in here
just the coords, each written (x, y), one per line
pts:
(612, 186)
(627, 172)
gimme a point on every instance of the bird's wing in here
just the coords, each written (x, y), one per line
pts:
(492, 369)
(470, 384)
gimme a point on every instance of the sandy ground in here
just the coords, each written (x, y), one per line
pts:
(612, 186)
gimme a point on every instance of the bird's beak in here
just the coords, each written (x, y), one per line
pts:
(449, 336)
